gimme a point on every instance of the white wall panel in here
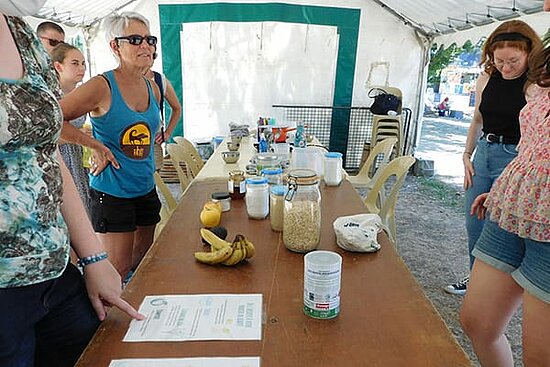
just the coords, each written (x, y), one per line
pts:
(237, 71)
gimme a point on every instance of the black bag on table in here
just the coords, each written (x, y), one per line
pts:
(383, 102)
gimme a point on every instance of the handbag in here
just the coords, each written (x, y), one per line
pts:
(383, 102)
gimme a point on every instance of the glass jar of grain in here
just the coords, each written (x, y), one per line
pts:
(277, 207)
(302, 211)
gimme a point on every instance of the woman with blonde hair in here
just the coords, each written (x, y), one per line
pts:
(70, 66)
(494, 131)
(124, 112)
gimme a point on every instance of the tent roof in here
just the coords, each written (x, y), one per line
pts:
(80, 12)
(429, 17)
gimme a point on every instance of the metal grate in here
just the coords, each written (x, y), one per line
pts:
(317, 119)
(319, 123)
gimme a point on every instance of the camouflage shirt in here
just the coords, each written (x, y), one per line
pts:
(34, 244)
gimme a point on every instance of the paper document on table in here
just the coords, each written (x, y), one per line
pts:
(188, 362)
(198, 317)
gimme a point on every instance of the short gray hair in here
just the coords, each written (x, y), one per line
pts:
(115, 24)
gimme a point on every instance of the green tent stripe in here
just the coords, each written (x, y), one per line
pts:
(346, 20)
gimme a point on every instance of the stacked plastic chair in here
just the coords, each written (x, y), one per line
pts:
(385, 126)
(192, 151)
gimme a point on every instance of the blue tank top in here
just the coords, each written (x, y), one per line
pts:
(130, 136)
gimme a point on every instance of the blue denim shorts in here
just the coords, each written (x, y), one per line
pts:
(528, 261)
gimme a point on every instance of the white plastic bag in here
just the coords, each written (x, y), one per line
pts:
(358, 232)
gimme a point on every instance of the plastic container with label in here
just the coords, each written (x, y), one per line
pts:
(322, 282)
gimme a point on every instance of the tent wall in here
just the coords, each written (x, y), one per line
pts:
(379, 37)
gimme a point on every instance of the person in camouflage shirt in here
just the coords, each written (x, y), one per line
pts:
(48, 310)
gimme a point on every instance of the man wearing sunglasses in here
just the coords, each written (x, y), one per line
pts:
(50, 34)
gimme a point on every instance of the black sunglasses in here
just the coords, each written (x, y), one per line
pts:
(52, 42)
(136, 39)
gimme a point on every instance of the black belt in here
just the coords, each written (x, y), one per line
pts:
(501, 139)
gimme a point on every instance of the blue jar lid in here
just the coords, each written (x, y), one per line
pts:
(279, 190)
(272, 171)
(256, 180)
(333, 155)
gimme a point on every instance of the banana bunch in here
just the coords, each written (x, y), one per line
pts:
(224, 252)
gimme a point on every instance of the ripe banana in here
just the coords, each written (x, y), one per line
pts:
(236, 256)
(214, 241)
(249, 246)
(216, 257)
(243, 247)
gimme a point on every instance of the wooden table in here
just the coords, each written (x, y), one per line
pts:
(385, 318)
(216, 166)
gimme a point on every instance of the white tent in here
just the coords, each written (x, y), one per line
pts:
(232, 61)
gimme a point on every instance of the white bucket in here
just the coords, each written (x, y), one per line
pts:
(322, 278)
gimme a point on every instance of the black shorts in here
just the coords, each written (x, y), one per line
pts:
(114, 214)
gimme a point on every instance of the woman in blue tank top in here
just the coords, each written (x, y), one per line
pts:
(124, 111)
(494, 131)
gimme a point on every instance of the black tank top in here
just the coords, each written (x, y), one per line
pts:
(500, 104)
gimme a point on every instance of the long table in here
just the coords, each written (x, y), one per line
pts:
(385, 318)
(216, 166)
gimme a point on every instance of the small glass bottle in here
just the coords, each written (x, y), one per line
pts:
(236, 185)
(223, 198)
(257, 197)
(274, 175)
(276, 207)
(302, 212)
(333, 168)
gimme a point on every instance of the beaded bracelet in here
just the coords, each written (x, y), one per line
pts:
(92, 259)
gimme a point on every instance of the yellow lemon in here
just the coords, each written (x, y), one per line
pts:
(213, 205)
(210, 217)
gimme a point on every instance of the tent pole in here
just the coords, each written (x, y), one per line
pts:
(425, 43)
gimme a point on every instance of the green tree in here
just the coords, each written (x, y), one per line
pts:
(440, 58)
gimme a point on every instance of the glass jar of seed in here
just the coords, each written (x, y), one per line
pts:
(302, 211)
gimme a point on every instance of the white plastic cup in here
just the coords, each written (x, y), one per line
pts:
(283, 148)
(322, 281)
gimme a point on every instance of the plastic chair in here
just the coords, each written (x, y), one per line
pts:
(369, 171)
(167, 209)
(385, 208)
(387, 126)
(178, 155)
(191, 149)
(165, 192)
(165, 214)
(185, 155)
